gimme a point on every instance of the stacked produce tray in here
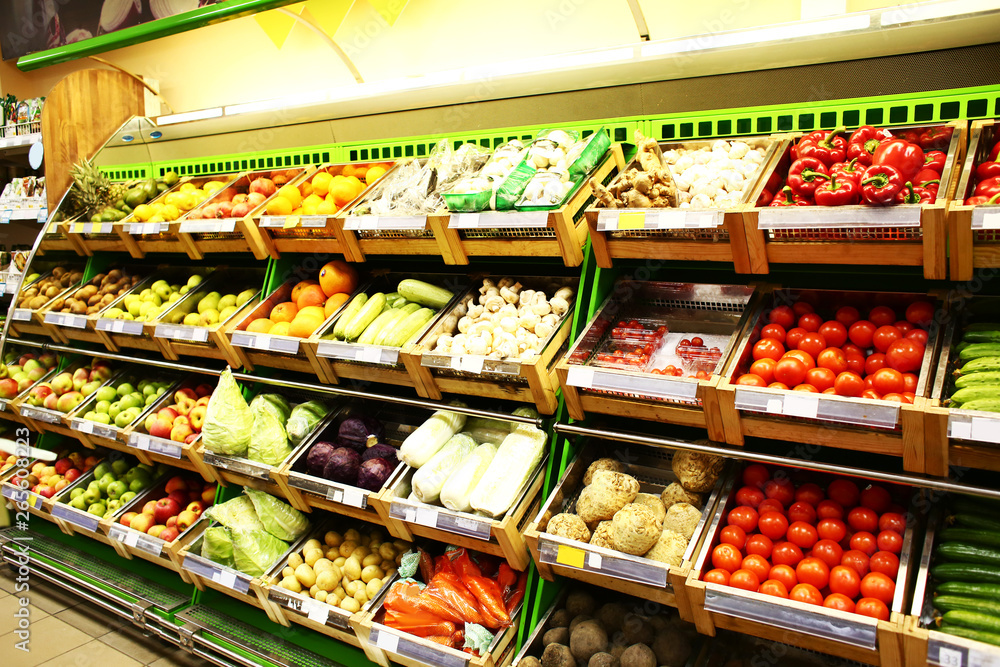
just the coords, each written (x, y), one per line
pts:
(972, 235)
(26, 320)
(111, 283)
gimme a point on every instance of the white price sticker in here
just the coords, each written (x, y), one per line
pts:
(224, 578)
(353, 497)
(140, 442)
(5, 216)
(986, 430)
(131, 538)
(335, 494)
(471, 363)
(426, 516)
(84, 426)
(977, 659)
(774, 406)
(594, 561)
(801, 405)
(316, 611)
(580, 376)
(949, 657)
(261, 342)
(463, 221)
(991, 221)
(371, 355)
(387, 642)
(961, 430)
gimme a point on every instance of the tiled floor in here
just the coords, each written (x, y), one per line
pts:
(67, 631)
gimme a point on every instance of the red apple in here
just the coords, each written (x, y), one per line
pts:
(45, 491)
(169, 534)
(186, 519)
(8, 388)
(179, 497)
(149, 507)
(72, 475)
(208, 495)
(160, 428)
(196, 506)
(156, 530)
(186, 392)
(165, 508)
(172, 521)
(62, 465)
(167, 413)
(175, 483)
(188, 439)
(203, 390)
(141, 522)
(126, 519)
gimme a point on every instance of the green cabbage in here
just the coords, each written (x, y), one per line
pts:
(228, 421)
(256, 551)
(279, 518)
(217, 546)
(236, 513)
(276, 404)
(269, 442)
(304, 419)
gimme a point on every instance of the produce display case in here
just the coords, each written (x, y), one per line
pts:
(899, 235)
(593, 380)
(633, 575)
(529, 381)
(681, 234)
(843, 422)
(847, 635)
(28, 321)
(82, 327)
(973, 240)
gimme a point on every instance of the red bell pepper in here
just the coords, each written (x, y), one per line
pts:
(829, 150)
(935, 160)
(989, 187)
(981, 199)
(852, 170)
(913, 136)
(863, 142)
(935, 138)
(880, 184)
(765, 198)
(788, 198)
(931, 187)
(987, 170)
(805, 175)
(838, 191)
(926, 176)
(905, 157)
(913, 195)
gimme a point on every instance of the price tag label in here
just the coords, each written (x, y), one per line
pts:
(208, 226)
(426, 516)
(950, 657)
(800, 404)
(631, 220)
(361, 222)
(143, 228)
(371, 355)
(570, 556)
(224, 578)
(335, 494)
(354, 498)
(961, 430)
(387, 642)
(987, 430)
(580, 376)
(594, 561)
(990, 221)
(978, 659)
(316, 611)
(5, 216)
(170, 449)
(463, 221)
(471, 363)
(192, 334)
(39, 415)
(291, 222)
(88, 522)
(43, 215)
(21, 315)
(84, 426)
(774, 406)
(262, 342)
(139, 441)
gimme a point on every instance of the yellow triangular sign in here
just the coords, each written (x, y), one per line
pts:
(278, 25)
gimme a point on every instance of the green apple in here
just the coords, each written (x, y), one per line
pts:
(123, 419)
(91, 496)
(78, 503)
(97, 509)
(127, 497)
(102, 407)
(130, 401)
(147, 467)
(76, 493)
(102, 418)
(104, 482)
(114, 504)
(106, 395)
(102, 469)
(138, 484)
(120, 466)
(124, 389)
(114, 409)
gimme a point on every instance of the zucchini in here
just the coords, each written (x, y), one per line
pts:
(399, 314)
(377, 325)
(984, 574)
(410, 326)
(980, 365)
(966, 535)
(990, 591)
(968, 553)
(978, 379)
(976, 392)
(366, 315)
(978, 350)
(968, 633)
(982, 404)
(975, 520)
(948, 603)
(425, 294)
(973, 620)
(349, 312)
(984, 336)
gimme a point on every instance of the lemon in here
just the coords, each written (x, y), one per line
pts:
(292, 194)
(321, 183)
(170, 212)
(142, 212)
(187, 187)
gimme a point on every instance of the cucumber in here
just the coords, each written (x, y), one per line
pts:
(989, 591)
(376, 327)
(988, 508)
(977, 350)
(980, 365)
(978, 379)
(968, 536)
(349, 312)
(979, 391)
(425, 294)
(975, 520)
(390, 326)
(987, 336)
(983, 405)
(366, 315)
(409, 327)
(969, 633)
(968, 553)
(953, 602)
(982, 326)
(973, 620)
(984, 574)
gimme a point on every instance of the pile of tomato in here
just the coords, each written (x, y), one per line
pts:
(634, 331)
(877, 358)
(836, 547)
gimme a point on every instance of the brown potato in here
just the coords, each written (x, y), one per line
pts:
(79, 308)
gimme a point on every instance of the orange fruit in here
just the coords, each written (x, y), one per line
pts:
(351, 170)
(312, 311)
(334, 302)
(301, 285)
(292, 194)
(260, 325)
(284, 312)
(280, 329)
(343, 191)
(311, 295)
(373, 174)
(338, 277)
(305, 322)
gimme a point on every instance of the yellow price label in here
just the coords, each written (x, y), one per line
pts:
(570, 556)
(291, 221)
(631, 220)
(99, 228)
(78, 227)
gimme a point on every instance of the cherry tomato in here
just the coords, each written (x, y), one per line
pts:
(782, 315)
(874, 363)
(889, 540)
(806, 593)
(786, 553)
(781, 490)
(917, 336)
(828, 551)
(920, 313)
(745, 580)
(887, 381)
(851, 348)
(771, 505)
(764, 368)
(793, 337)
(751, 380)
(873, 608)
(863, 518)
(774, 588)
(717, 576)
(733, 535)
(829, 509)
(892, 521)
(758, 565)
(847, 315)
(750, 496)
(800, 308)
(839, 602)
(845, 580)
(857, 560)
(802, 535)
(909, 383)
(802, 356)
(726, 557)
(849, 383)
(813, 343)
(905, 355)
(844, 492)
(831, 529)
(802, 511)
(861, 333)
(821, 378)
(885, 562)
(744, 517)
(760, 545)
(864, 542)
(755, 475)
(790, 371)
(785, 574)
(903, 326)
(767, 348)
(810, 322)
(775, 332)
(834, 332)
(881, 315)
(809, 493)
(697, 342)
(877, 585)
(773, 525)
(876, 498)
(856, 363)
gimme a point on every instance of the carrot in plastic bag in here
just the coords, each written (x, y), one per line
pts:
(447, 588)
(488, 595)
(442, 564)
(463, 565)
(419, 623)
(404, 596)
(426, 566)
(506, 579)
(518, 593)
(444, 640)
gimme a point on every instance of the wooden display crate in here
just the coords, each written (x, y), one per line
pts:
(720, 312)
(72, 521)
(633, 575)
(841, 422)
(24, 499)
(973, 242)
(100, 237)
(845, 635)
(57, 238)
(41, 419)
(900, 235)
(528, 381)
(31, 322)
(8, 406)
(681, 234)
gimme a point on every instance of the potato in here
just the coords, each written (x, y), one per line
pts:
(389, 572)
(336, 572)
(373, 587)
(347, 548)
(402, 546)
(386, 551)
(321, 596)
(312, 544)
(291, 584)
(322, 564)
(288, 572)
(352, 587)
(364, 540)
(332, 554)
(360, 553)
(361, 595)
(376, 536)
(350, 604)
(352, 536)
(305, 574)
(340, 593)
(326, 581)
(333, 538)
(386, 564)
(313, 590)
(371, 572)
(371, 559)
(352, 568)
(339, 561)
(312, 556)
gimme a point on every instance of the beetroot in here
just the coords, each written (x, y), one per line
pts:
(374, 473)
(342, 466)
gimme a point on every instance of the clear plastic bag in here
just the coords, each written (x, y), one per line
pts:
(545, 190)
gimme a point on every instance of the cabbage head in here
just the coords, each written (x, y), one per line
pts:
(256, 551)
(279, 518)
(269, 442)
(217, 546)
(228, 421)
(236, 513)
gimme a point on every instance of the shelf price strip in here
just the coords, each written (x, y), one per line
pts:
(985, 218)
(135, 539)
(265, 343)
(944, 653)
(292, 221)
(208, 226)
(130, 327)
(79, 519)
(393, 643)
(314, 610)
(40, 415)
(5, 216)
(155, 445)
(143, 228)
(499, 220)
(220, 575)
(376, 223)
(367, 353)
(348, 496)
(94, 428)
(807, 406)
(658, 219)
(592, 378)
(178, 332)
(19, 496)
(968, 427)
(638, 570)
(66, 320)
(434, 517)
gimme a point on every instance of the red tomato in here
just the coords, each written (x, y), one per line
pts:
(881, 315)
(813, 571)
(758, 565)
(856, 560)
(809, 493)
(806, 387)
(847, 315)
(782, 315)
(774, 588)
(760, 545)
(771, 505)
(877, 585)
(885, 562)
(876, 498)
(802, 511)
(839, 602)
(903, 326)
(744, 517)
(806, 593)
(917, 336)
(750, 496)
(863, 518)
(750, 380)
(790, 371)
(802, 535)
(892, 521)
(828, 551)
(849, 383)
(726, 557)
(810, 322)
(844, 492)
(861, 333)
(864, 542)
(895, 398)
(793, 337)
(829, 509)
(733, 535)
(856, 363)
(834, 332)
(802, 356)
(905, 355)
(885, 336)
(767, 348)
(873, 363)
(717, 576)
(920, 313)
(755, 475)
(775, 332)
(831, 529)
(870, 394)
(774, 525)
(745, 580)
(851, 348)
(821, 378)
(778, 385)
(889, 540)
(872, 608)
(764, 368)
(887, 381)
(781, 490)
(909, 383)
(845, 580)
(785, 574)
(813, 343)
(800, 308)
(909, 396)
(786, 553)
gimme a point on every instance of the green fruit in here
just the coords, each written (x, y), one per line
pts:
(76, 493)
(127, 497)
(130, 401)
(116, 489)
(138, 484)
(106, 481)
(97, 509)
(244, 296)
(124, 389)
(120, 467)
(78, 503)
(194, 281)
(105, 395)
(101, 469)
(91, 496)
(136, 196)
(102, 418)
(170, 178)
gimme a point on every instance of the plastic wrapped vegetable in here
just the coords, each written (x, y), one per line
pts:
(430, 478)
(304, 419)
(236, 513)
(486, 430)
(515, 460)
(278, 517)
(254, 552)
(217, 546)
(269, 442)
(276, 404)
(458, 488)
(423, 443)
(228, 421)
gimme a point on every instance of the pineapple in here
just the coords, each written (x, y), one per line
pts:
(91, 191)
